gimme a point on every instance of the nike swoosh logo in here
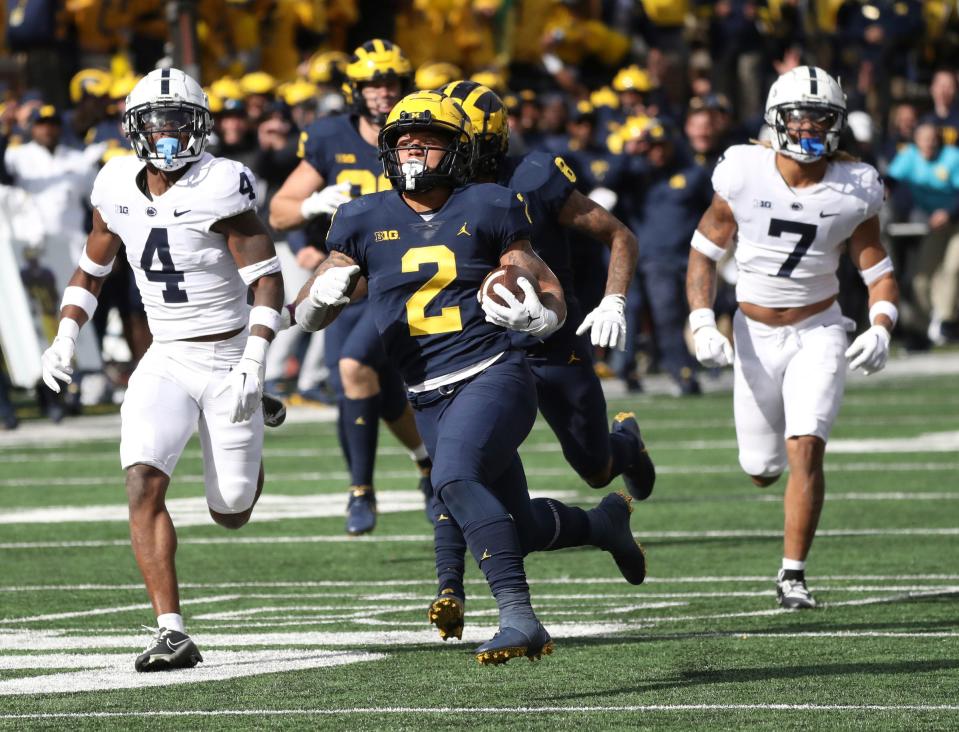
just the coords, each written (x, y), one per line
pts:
(176, 645)
(180, 213)
(824, 215)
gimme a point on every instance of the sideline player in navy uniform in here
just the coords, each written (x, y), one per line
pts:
(424, 251)
(339, 163)
(570, 395)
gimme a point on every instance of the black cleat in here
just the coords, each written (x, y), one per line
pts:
(170, 650)
(361, 510)
(618, 539)
(448, 613)
(511, 643)
(641, 476)
(274, 411)
(792, 593)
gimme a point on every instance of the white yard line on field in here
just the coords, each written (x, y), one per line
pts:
(646, 536)
(564, 581)
(947, 441)
(338, 477)
(503, 710)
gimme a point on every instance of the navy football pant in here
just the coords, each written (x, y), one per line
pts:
(572, 401)
(473, 436)
(472, 431)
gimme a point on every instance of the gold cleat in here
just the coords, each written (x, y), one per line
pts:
(447, 612)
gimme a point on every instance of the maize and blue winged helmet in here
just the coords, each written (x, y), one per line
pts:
(434, 111)
(375, 61)
(488, 116)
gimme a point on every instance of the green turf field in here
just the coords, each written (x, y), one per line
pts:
(303, 627)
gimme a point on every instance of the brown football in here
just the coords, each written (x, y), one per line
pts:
(506, 276)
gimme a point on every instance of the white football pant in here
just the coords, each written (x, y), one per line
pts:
(169, 396)
(789, 382)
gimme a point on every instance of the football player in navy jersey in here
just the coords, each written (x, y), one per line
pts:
(339, 161)
(570, 395)
(424, 251)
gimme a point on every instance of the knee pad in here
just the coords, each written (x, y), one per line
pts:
(468, 500)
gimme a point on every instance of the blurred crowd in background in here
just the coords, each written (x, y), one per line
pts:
(595, 81)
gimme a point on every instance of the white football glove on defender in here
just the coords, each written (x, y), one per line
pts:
(57, 361)
(713, 349)
(245, 380)
(529, 316)
(607, 323)
(325, 201)
(869, 351)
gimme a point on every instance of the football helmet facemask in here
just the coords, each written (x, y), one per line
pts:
(168, 119)
(802, 101)
(487, 114)
(436, 112)
(375, 61)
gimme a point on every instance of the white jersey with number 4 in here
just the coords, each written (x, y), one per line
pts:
(789, 239)
(185, 272)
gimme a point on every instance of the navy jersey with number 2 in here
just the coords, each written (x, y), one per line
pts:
(423, 275)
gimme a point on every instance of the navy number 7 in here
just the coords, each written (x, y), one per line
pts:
(807, 235)
(158, 243)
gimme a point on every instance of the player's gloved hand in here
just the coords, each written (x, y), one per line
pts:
(330, 287)
(529, 316)
(713, 349)
(57, 361)
(325, 201)
(607, 323)
(869, 351)
(245, 380)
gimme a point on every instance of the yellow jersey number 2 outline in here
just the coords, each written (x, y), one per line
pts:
(449, 320)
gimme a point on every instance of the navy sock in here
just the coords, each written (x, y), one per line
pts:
(341, 433)
(558, 526)
(361, 419)
(515, 611)
(449, 548)
(625, 452)
(490, 535)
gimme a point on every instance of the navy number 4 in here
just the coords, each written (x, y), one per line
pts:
(807, 235)
(158, 243)
(246, 187)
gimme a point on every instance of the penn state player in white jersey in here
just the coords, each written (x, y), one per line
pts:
(792, 207)
(188, 222)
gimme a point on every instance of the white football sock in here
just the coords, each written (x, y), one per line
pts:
(171, 621)
(794, 564)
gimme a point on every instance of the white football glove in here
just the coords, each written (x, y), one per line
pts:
(869, 351)
(607, 323)
(713, 349)
(245, 380)
(529, 316)
(57, 361)
(325, 201)
(330, 287)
